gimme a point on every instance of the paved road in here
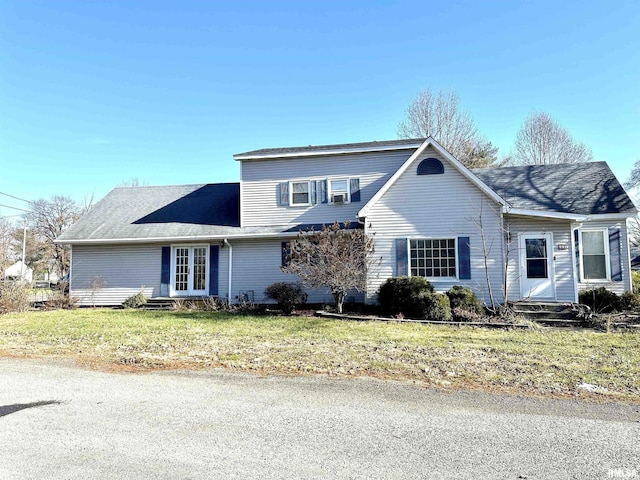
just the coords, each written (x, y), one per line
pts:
(61, 422)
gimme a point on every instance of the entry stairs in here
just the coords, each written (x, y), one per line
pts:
(550, 314)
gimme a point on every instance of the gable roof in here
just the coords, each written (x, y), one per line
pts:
(578, 188)
(452, 160)
(338, 149)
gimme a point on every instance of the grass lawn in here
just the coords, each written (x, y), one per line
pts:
(549, 362)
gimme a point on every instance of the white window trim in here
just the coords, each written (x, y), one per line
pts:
(607, 255)
(330, 193)
(308, 203)
(435, 279)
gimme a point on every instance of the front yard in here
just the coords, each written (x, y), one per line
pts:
(548, 362)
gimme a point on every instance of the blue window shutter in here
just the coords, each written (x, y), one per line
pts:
(464, 258)
(285, 250)
(165, 271)
(576, 244)
(614, 251)
(214, 256)
(355, 189)
(283, 193)
(313, 193)
(402, 267)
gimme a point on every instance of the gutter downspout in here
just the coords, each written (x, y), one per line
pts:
(226, 242)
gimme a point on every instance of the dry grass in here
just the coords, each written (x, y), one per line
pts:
(548, 362)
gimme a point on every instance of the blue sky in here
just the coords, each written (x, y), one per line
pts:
(96, 93)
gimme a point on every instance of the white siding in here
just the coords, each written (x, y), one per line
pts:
(256, 265)
(437, 206)
(625, 284)
(563, 259)
(125, 269)
(260, 179)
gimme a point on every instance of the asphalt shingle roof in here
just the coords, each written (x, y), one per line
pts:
(272, 152)
(580, 188)
(213, 210)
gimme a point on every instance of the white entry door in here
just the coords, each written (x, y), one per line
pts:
(190, 270)
(536, 266)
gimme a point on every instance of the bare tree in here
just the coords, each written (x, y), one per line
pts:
(132, 182)
(440, 116)
(7, 244)
(334, 257)
(543, 141)
(48, 219)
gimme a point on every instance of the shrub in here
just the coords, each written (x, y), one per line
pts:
(463, 298)
(399, 295)
(630, 301)
(14, 297)
(60, 300)
(135, 301)
(462, 315)
(635, 282)
(435, 306)
(600, 300)
(287, 295)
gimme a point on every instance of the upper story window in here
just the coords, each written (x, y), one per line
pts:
(339, 191)
(430, 166)
(594, 254)
(299, 193)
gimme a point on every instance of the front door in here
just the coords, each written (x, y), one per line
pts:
(190, 270)
(536, 266)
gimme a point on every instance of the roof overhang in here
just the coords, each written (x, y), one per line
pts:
(325, 152)
(567, 216)
(456, 164)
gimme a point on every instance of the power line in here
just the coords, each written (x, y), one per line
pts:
(13, 196)
(15, 208)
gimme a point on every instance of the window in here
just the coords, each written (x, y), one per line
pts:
(594, 254)
(300, 193)
(339, 190)
(433, 258)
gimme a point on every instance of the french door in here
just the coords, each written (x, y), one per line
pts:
(536, 266)
(190, 265)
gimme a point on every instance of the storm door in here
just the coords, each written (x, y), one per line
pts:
(536, 266)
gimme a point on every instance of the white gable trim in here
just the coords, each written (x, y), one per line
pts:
(457, 165)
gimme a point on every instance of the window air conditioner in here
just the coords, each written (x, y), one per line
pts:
(338, 198)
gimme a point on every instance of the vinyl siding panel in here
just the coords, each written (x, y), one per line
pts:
(260, 179)
(563, 259)
(256, 265)
(125, 269)
(437, 206)
(616, 287)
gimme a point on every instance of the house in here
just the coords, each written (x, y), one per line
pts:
(19, 271)
(535, 232)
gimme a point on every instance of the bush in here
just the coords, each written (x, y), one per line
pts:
(463, 298)
(14, 297)
(287, 295)
(600, 300)
(60, 300)
(135, 301)
(435, 306)
(400, 295)
(635, 282)
(630, 301)
(462, 315)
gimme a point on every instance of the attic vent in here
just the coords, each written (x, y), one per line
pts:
(430, 166)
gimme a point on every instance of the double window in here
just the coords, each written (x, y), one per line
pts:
(594, 256)
(304, 193)
(433, 258)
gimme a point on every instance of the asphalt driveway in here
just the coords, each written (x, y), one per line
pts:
(62, 422)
